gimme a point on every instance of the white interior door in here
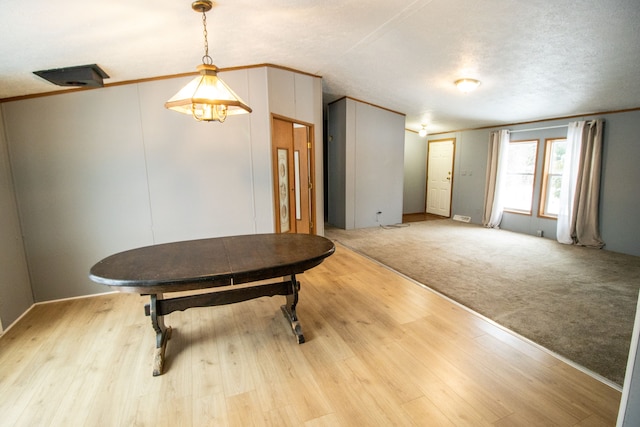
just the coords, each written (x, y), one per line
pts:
(440, 177)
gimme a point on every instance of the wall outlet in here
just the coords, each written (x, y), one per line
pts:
(539, 233)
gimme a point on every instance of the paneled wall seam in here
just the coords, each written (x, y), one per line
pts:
(4, 139)
(146, 164)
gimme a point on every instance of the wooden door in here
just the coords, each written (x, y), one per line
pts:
(292, 147)
(440, 177)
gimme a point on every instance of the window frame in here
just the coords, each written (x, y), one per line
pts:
(536, 142)
(548, 142)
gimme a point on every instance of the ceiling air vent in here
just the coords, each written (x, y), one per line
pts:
(82, 76)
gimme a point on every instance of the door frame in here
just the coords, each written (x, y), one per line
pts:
(453, 161)
(311, 171)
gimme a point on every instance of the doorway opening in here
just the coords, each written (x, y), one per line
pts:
(293, 175)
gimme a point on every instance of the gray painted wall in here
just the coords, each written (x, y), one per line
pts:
(337, 164)
(415, 177)
(15, 290)
(379, 160)
(373, 171)
(97, 172)
(620, 192)
(469, 171)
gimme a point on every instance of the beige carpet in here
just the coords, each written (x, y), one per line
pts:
(577, 302)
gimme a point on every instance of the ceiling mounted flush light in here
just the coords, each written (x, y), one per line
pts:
(467, 85)
(207, 98)
(423, 132)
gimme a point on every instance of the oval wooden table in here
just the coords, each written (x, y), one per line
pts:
(219, 264)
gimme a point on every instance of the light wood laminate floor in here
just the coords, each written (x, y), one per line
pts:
(380, 351)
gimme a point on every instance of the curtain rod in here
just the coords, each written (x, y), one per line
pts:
(542, 128)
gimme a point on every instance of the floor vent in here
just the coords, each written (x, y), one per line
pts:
(461, 218)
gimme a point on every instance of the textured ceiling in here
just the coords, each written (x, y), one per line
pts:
(536, 59)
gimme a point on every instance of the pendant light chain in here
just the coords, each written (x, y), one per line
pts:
(206, 59)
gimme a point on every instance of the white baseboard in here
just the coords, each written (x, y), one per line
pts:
(73, 298)
(4, 331)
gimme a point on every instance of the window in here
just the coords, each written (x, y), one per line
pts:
(554, 150)
(521, 170)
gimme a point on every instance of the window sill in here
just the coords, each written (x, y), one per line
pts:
(547, 216)
(517, 212)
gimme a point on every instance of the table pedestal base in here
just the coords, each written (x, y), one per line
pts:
(289, 311)
(158, 354)
(159, 307)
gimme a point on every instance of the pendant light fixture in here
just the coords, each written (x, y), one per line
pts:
(207, 98)
(423, 131)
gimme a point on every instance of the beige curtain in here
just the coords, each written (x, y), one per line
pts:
(581, 224)
(586, 231)
(496, 170)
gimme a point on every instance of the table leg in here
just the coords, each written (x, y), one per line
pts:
(163, 334)
(289, 309)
